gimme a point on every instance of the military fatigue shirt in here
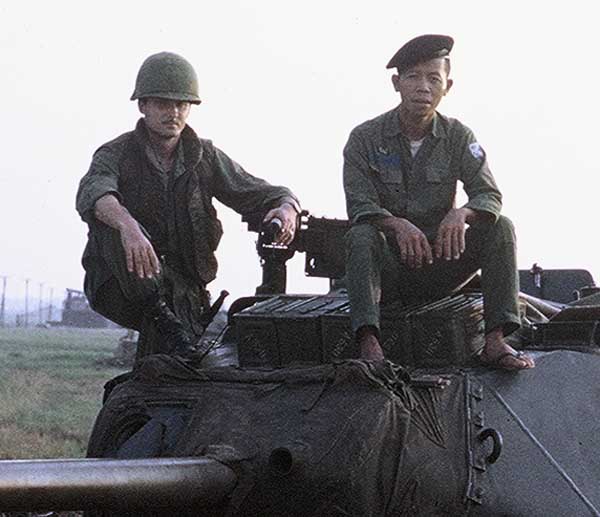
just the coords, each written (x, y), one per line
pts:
(381, 177)
(175, 207)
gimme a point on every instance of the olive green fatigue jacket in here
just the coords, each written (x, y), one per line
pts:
(381, 178)
(176, 208)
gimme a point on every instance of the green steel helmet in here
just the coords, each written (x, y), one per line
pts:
(167, 76)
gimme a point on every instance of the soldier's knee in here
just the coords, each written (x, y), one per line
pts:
(363, 236)
(505, 228)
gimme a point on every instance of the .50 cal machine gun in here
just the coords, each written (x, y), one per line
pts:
(320, 238)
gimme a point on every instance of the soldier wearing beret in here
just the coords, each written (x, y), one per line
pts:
(409, 241)
(148, 201)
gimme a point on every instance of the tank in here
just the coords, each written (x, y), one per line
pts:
(278, 417)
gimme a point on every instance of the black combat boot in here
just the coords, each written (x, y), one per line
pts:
(177, 339)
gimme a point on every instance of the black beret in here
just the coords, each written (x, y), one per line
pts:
(421, 48)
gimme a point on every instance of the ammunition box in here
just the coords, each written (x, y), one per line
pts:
(283, 330)
(303, 329)
(339, 341)
(564, 334)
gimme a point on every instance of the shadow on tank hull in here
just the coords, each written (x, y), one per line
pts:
(303, 429)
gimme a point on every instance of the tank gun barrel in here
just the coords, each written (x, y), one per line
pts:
(85, 484)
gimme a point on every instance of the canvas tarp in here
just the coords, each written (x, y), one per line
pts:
(363, 441)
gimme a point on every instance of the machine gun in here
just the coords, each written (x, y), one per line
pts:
(321, 239)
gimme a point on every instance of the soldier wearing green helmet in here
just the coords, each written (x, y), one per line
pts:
(153, 230)
(167, 76)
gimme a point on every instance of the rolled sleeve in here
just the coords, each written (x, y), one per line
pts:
(244, 193)
(478, 181)
(102, 178)
(362, 198)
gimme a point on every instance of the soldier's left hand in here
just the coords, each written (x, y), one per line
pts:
(288, 216)
(450, 241)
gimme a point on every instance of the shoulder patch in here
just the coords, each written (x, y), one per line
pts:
(476, 151)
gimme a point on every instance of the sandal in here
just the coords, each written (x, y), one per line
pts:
(499, 362)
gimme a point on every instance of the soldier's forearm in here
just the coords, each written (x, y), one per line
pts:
(386, 223)
(111, 212)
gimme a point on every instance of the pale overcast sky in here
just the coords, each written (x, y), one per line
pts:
(283, 83)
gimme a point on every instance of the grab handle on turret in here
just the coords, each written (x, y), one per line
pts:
(497, 441)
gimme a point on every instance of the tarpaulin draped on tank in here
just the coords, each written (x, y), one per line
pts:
(340, 439)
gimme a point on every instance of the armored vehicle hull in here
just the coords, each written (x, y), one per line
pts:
(353, 439)
(282, 419)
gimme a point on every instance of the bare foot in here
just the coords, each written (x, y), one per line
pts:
(498, 354)
(370, 350)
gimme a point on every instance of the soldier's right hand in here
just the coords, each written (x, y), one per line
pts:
(415, 250)
(139, 253)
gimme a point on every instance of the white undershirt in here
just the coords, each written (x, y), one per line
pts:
(415, 145)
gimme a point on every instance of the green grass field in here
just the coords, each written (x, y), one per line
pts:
(51, 384)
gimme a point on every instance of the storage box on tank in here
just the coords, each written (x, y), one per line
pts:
(447, 332)
(337, 335)
(294, 328)
(339, 341)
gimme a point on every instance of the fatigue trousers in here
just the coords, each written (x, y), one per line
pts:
(124, 298)
(375, 275)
